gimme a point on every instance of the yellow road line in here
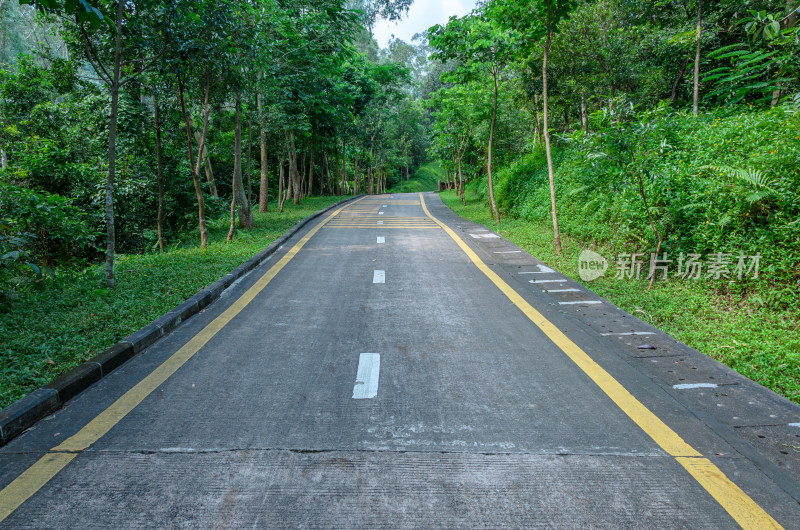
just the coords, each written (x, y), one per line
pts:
(47, 467)
(736, 502)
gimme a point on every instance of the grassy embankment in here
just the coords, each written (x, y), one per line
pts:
(62, 323)
(424, 179)
(758, 342)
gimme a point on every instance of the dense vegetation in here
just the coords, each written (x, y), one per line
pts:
(644, 129)
(619, 143)
(122, 124)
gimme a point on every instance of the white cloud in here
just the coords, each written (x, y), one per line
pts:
(422, 15)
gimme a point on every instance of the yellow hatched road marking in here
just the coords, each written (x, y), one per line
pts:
(47, 467)
(388, 227)
(387, 221)
(373, 217)
(744, 510)
(401, 202)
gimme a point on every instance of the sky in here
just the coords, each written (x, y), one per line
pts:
(422, 15)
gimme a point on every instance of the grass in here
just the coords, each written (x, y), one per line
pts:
(760, 343)
(60, 324)
(426, 178)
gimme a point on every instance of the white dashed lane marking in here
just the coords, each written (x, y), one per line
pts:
(562, 290)
(381, 239)
(543, 269)
(379, 277)
(684, 386)
(369, 368)
(626, 333)
(582, 302)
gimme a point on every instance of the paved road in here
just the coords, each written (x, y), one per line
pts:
(393, 365)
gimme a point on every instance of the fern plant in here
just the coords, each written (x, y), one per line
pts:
(753, 182)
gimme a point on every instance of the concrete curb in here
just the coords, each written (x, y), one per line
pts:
(24, 412)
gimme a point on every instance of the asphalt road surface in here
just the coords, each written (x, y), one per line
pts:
(394, 365)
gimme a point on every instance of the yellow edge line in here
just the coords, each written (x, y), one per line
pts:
(746, 512)
(48, 466)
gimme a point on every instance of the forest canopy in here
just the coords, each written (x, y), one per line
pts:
(131, 122)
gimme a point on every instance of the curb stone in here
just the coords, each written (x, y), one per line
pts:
(25, 412)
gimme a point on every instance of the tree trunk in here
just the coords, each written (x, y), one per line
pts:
(495, 213)
(696, 90)
(355, 176)
(281, 177)
(310, 189)
(195, 167)
(344, 164)
(546, 131)
(3, 159)
(111, 242)
(337, 185)
(232, 226)
(263, 190)
(302, 170)
(245, 213)
(293, 186)
(538, 131)
(584, 114)
(461, 183)
(250, 158)
(371, 170)
(291, 156)
(791, 19)
(325, 180)
(160, 175)
(209, 171)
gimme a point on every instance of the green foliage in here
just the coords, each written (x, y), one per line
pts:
(751, 209)
(755, 184)
(761, 69)
(81, 9)
(46, 227)
(12, 252)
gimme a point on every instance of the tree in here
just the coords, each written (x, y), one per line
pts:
(483, 49)
(696, 85)
(536, 19)
(456, 110)
(131, 40)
